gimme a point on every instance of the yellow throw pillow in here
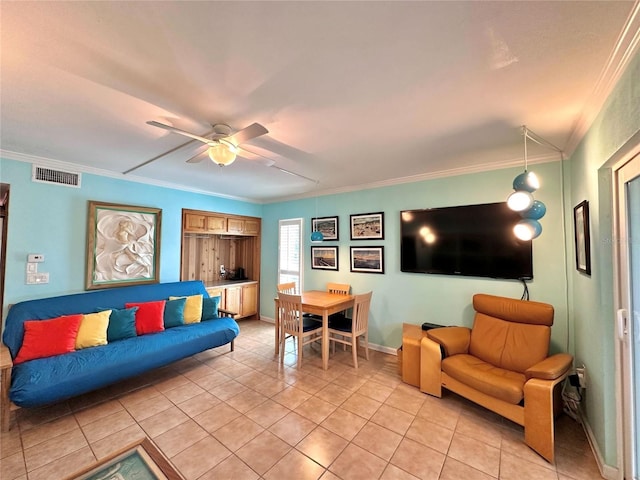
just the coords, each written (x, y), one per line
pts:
(192, 308)
(93, 330)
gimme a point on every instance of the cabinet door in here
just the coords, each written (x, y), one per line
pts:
(218, 292)
(251, 227)
(216, 224)
(249, 300)
(234, 299)
(194, 222)
(235, 225)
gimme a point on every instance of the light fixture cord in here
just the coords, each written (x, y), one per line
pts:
(524, 133)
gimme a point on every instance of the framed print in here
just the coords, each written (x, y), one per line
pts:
(324, 258)
(123, 245)
(367, 226)
(367, 259)
(328, 226)
(139, 461)
(583, 241)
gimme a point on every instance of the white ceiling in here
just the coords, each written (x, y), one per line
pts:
(352, 93)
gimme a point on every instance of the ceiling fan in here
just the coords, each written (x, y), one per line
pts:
(223, 147)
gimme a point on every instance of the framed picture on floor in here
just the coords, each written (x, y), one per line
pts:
(367, 259)
(324, 258)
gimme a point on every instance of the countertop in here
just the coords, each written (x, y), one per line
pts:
(226, 283)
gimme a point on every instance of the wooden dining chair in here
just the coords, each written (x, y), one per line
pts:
(348, 330)
(305, 331)
(340, 289)
(289, 287)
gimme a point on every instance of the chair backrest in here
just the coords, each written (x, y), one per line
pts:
(509, 333)
(289, 287)
(290, 312)
(341, 288)
(361, 305)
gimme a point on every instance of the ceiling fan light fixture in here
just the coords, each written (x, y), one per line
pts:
(222, 153)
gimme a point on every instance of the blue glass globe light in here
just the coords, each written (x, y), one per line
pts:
(527, 229)
(536, 211)
(520, 201)
(527, 181)
(317, 237)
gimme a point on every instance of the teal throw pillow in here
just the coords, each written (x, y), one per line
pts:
(210, 307)
(122, 324)
(174, 312)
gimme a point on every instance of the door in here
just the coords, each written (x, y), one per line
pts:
(628, 318)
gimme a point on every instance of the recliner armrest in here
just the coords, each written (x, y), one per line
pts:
(454, 340)
(551, 367)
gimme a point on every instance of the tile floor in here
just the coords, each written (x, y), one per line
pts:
(243, 415)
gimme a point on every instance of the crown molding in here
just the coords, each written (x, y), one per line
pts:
(623, 51)
(74, 167)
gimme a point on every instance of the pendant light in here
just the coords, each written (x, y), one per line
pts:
(522, 201)
(316, 235)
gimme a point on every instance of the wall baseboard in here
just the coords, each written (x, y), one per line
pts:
(372, 346)
(607, 471)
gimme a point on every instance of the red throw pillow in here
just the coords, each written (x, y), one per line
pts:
(46, 338)
(149, 317)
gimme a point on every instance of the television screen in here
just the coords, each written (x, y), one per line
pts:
(473, 240)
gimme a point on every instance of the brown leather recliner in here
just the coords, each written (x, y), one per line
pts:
(502, 363)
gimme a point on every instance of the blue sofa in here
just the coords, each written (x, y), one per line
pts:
(47, 380)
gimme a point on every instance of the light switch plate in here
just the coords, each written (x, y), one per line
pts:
(32, 268)
(35, 257)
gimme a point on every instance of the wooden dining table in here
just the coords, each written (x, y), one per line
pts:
(321, 303)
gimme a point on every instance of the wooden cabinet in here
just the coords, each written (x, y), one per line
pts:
(243, 226)
(204, 222)
(242, 299)
(216, 224)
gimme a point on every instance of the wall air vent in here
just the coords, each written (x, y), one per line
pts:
(59, 177)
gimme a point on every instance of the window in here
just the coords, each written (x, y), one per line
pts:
(290, 252)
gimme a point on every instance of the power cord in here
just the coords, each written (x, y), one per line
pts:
(525, 293)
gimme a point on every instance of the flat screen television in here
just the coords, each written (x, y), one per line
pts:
(472, 240)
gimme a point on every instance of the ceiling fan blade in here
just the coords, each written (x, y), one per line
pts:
(266, 161)
(181, 132)
(198, 157)
(252, 131)
(289, 172)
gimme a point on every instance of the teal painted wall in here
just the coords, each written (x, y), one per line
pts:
(52, 220)
(416, 298)
(592, 298)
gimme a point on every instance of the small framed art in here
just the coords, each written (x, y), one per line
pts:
(328, 226)
(583, 241)
(324, 258)
(367, 259)
(367, 226)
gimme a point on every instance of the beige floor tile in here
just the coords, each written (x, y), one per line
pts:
(229, 389)
(355, 463)
(580, 466)
(375, 390)
(211, 381)
(10, 442)
(198, 404)
(267, 413)
(31, 417)
(108, 425)
(329, 476)
(106, 446)
(430, 434)
(480, 429)
(47, 431)
(440, 411)
(418, 460)
(163, 421)
(238, 432)
(292, 428)
(270, 387)
(216, 417)
(322, 446)
(53, 449)
(405, 401)
(361, 405)
(513, 444)
(140, 395)
(291, 397)
(295, 465)
(315, 409)
(394, 473)
(97, 412)
(395, 420)
(180, 438)
(310, 384)
(148, 408)
(236, 370)
(200, 457)
(245, 401)
(12, 466)
(378, 440)
(350, 381)
(184, 392)
(64, 466)
(197, 371)
(476, 454)
(335, 394)
(513, 468)
(455, 470)
(174, 381)
(344, 423)
(263, 452)
(232, 468)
